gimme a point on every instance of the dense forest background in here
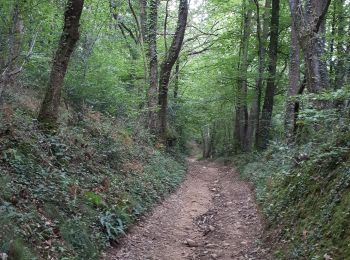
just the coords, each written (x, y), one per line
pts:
(95, 93)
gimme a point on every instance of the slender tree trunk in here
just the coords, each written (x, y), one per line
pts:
(144, 39)
(262, 34)
(153, 66)
(206, 136)
(347, 59)
(167, 65)
(331, 45)
(143, 19)
(15, 38)
(265, 35)
(166, 25)
(294, 77)
(70, 35)
(241, 125)
(266, 116)
(213, 140)
(296, 127)
(11, 69)
(341, 49)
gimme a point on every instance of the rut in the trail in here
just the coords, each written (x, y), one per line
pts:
(212, 216)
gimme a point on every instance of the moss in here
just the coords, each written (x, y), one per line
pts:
(319, 209)
(308, 203)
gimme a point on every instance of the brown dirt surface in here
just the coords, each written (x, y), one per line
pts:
(212, 216)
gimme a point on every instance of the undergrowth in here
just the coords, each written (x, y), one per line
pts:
(68, 194)
(304, 193)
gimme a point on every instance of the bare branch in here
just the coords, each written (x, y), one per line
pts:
(207, 48)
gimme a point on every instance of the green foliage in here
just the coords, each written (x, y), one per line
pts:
(94, 198)
(101, 166)
(304, 193)
(76, 235)
(66, 195)
(113, 225)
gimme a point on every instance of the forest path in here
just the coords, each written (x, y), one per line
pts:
(212, 216)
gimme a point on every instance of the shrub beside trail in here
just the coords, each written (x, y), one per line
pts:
(69, 193)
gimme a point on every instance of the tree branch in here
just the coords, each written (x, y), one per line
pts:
(136, 19)
(322, 16)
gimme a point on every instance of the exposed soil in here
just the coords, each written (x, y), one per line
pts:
(212, 216)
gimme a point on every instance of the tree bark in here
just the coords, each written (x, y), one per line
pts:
(347, 59)
(241, 124)
(294, 77)
(70, 35)
(177, 77)
(10, 68)
(331, 44)
(167, 65)
(297, 127)
(143, 20)
(262, 35)
(153, 66)
(341, 50)
(166, 25)
(206, 137)
(311, 29)
(266, 116)
(15, 38)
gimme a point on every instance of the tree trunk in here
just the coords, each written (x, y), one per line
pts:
(153, 66)
(294, 77)
(70, 35)
(331, 45)
(15, 38)
(167, 65)
(176, 85)
(144, 39)
(347, 59)
(262, 34)
(297, 128)
(241, 124)
(341, 50)
(311, 29)
(143, 19)
(11, 69)
(266, 116)
(206, 137)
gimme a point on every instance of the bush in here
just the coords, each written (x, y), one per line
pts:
(305, 196)
(67, 194)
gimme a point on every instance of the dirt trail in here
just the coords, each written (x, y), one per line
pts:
(212, 216)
